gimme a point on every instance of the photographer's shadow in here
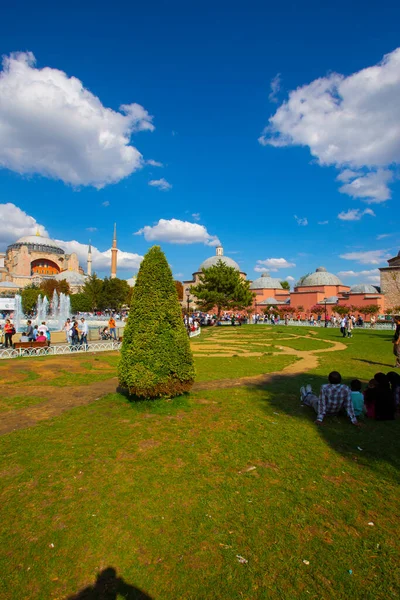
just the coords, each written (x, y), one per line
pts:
(110, 587)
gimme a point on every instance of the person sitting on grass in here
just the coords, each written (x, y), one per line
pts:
(357, 398)
(384, 403)
(370, 398)
(394, 381)
(334, 396)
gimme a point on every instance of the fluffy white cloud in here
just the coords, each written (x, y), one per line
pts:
(289, 278)
(273, 264)
(101, 261)
(369, 276)
(161, 184)
(301, 220)
(51, 125)
(196, 216)
(350, 122)
(371, 257)
(175, 231)
(275, 86)
(154, 163)
(355, 214)
(17, 223)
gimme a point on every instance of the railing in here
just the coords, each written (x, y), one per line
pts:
(62, 349)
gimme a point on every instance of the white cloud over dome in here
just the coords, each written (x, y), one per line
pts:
(52, 125)
(369, 276)
(17, 223)
(175, 231)
(101, 261)
(352, 123)
(273, 264)
(370, 257)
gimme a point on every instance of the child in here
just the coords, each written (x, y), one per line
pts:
(357, 398)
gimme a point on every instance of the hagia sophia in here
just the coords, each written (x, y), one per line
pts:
(320, 287)
(34, 258)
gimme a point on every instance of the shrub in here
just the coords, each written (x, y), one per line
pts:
(156, 359)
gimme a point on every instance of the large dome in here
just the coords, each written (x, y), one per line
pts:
(363, 288)
(72, 277)
(266, 282)
(38, 240)
(320, 277)
(213, 260)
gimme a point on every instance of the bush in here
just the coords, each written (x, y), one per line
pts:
(156, 359)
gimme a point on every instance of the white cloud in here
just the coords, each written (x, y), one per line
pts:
(101, 261)
(371, 257)
(105, 203)
(350, 122)
(301, 220)
(323, 222)
(290, 278)
(273, 264)
(51, 125)
(196, 216)
(154, 163)
(17, 223)
(382, 236)
(175, 231)
(275, 88)
(369, 276)
(161, 184)
(355, 214)
(91, 229)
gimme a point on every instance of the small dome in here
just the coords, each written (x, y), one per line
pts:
(363, 288)
(320, 277)
(212, 261)
(266, 282)
(270, 301)
(71, 277)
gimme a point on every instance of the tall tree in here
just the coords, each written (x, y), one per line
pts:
(179, 289)
(222, 287)
(93, 290)
(156, 359)
(285, 285)
(80, 303)
(29, 296)
(49, 285)
(115, 293)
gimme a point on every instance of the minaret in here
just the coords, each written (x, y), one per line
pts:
(89, 260)
(219, 251)
(114, 252)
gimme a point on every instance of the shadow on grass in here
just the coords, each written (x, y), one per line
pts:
(110, 587)
(379, 440)
(371, 362)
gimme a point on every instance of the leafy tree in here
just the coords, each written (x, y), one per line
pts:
(80, 303)
(285, 285)
(115, 293)
(93, 290)
(299, 308)
(342, 309)
(222, 287)
(317, 309)
(29, 296)
(156, 359)
(369, 310)
(179, 289)
(48, 286)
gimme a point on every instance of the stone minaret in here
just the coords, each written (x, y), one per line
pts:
(219, 251)
(89, 260)
(114, 252)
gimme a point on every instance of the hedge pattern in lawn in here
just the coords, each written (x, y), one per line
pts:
(156, 359)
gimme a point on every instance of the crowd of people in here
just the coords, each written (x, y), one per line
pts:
(380, 399)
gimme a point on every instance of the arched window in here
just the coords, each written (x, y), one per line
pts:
(44, 266)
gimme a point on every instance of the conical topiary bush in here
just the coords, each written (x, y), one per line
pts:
(156, 359)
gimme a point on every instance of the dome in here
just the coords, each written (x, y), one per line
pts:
(363, 288)
(270, 301)
(266, 282)
(39, 240)
(213, 260)
(72, 277)
(320, 277)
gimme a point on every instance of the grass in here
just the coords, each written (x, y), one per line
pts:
(239, 366)
(16, 402)
(170, 492)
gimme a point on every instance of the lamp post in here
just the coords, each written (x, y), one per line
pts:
(326, 314)
(187, 310)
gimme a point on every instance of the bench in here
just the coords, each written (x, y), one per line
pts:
(29, 346)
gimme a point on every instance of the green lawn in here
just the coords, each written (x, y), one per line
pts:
(169, 493)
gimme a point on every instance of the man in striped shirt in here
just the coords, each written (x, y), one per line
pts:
(334, 396)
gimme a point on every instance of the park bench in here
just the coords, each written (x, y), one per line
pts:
(30, 345)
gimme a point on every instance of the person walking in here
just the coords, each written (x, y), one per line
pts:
(67, 327)
(396, 343)
(343, 326)
(113, 327)
(84, 329)
(9, 331)
(349, 327)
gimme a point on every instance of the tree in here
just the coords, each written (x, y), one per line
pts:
(93, 290)
(80, 303)
(29, 296)
(48, 286)
(222, 287)
(115, 293)
(317, 309)
(341, 309)
(299, 308)
(369, 309)
(179, 289)
(156, 359)
(285, 285)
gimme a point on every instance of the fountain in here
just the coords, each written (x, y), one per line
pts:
(64, 310)
(42, 308)
(18, 314)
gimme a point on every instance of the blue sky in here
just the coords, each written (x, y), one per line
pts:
(203, 73)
